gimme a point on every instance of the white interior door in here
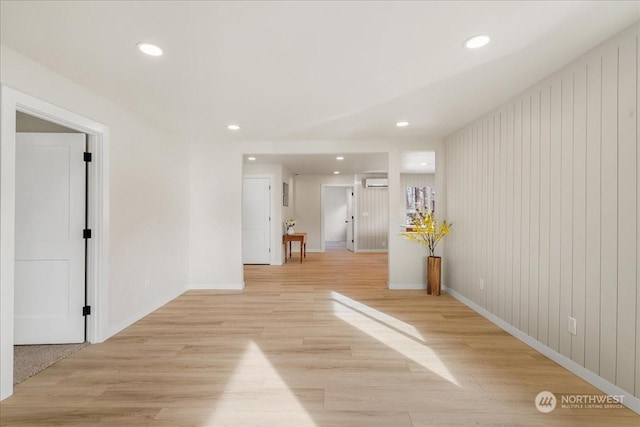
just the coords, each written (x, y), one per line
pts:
(256, 221)
(49, 244)
(335, 214)
(350, 219)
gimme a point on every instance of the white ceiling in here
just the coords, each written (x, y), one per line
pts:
(418, 162)
(309, 70)
(415, 162)
(325, 164)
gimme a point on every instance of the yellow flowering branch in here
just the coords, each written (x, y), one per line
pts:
(427, 230)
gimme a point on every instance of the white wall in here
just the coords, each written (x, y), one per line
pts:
(148, 174)
(287, 212)
(543, 194)
(412, 271)
(215, 235)
(335, 214)
(417, 180)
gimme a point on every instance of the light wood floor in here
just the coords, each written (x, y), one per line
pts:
(322, 343)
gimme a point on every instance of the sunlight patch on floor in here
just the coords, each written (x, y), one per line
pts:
(247, 401)
(378, 315)
(395, 334)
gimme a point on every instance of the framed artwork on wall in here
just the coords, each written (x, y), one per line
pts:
(285, 194)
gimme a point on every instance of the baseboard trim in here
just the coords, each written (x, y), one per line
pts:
(408, 286)
(133, 319)
(217, 286)
(381, 251)
(605, 386)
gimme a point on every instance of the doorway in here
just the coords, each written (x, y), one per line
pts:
(12, 102)
(50, 242)
(256, 220)
(351, 218)
(338, 218)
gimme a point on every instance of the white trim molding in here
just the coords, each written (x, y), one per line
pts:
(407, 286)
(217, 286)
(629, 401)
(12, 101)
(142, 314)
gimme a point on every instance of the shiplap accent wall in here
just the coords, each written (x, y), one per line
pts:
(543, 194)
(417, 180)
(372, 209)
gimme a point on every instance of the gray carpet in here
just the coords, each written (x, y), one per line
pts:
(28, 360)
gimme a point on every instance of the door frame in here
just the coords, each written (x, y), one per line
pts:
(272, 231)
(12, 101)
(322, 207)
(351, 199)
(271, 216)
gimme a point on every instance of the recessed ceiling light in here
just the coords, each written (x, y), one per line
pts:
(336, 173)
(339, 158)
(251, 158)
(476, 41)
(402, 124)
(233, 127)
(149, 49)
(423, 164)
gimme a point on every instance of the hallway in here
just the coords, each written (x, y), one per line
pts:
(322, 343)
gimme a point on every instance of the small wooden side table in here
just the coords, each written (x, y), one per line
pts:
(296, 237)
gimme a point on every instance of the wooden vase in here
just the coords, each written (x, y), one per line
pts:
(434, 271)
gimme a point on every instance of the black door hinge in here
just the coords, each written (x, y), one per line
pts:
(86, 310)
(87, 157)
(86, 233)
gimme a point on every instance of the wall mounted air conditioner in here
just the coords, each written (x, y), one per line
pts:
(376, 183)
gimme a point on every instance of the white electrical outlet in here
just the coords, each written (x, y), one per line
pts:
(571, 325)
(482, 284)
